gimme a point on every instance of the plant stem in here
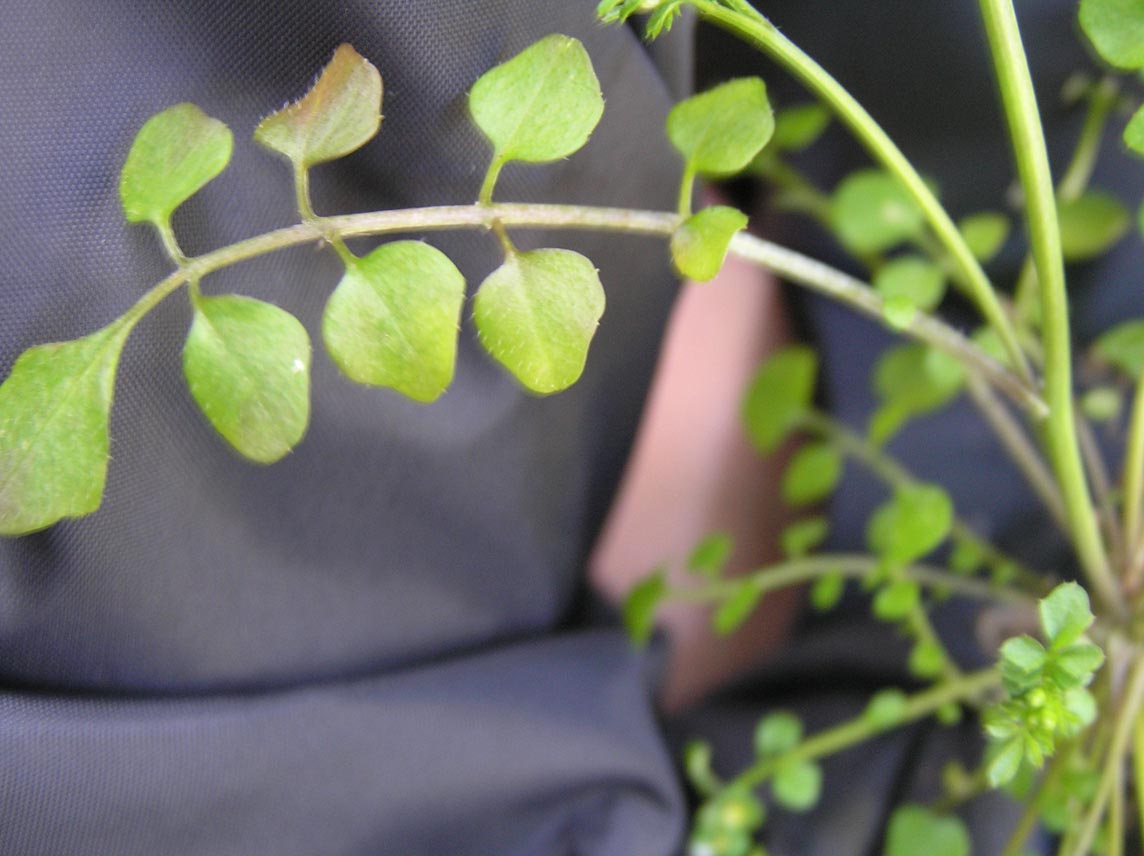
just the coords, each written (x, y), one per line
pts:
(782, 261)
(752, 27)
(897, 477)
(1033, 167)
(1134, 486)
(1029, 816)
(1138, 769)
(1122, 731)
(795, 572)
(860, 728)
(1021, 450)
(860, 297)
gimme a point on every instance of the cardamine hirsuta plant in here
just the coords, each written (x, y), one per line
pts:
(1061, 709)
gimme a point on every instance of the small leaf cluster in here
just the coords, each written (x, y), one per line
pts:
(732, 815)
(1045, 686)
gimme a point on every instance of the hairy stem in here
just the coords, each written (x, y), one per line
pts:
(860, 728)
(897, 477)
(782, 261)
(749, 25)
(1033, 167)
(795, 572)
(1020, 448)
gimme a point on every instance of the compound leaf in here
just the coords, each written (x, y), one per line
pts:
(247, 364)
(537, 313)
(720, 131)
(393, 319)
(174, 154)
(340, 113)
(1116, 30)
(54, 443)
(541, 105)
(780, 393)
(699, 246)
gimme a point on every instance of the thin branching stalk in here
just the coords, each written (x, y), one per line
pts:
(1032, 159)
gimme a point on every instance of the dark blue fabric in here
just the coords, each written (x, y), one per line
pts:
(373, 647)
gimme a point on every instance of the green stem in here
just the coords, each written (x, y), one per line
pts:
(1134, 486)
(686, 191)
(897, 477)
(858, 296)
(1138, 769)
(170, 243)
(753, 28)
(1114, 757)
(780, 260)
(1101, 100)
(1029, 816)
(794, 572)
(860, 728)
(1033, 167)
(485, 197)
(1021, 450)
(1076, 177)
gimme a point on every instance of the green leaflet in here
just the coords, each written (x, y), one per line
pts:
(537, 313)
(641, 604)
(731, 613)
(340, 113)
(709, 558)
(780, 393)
(871, 212)
(910, 524)
(777, 733)
(812, 474)
(541, 105)
(798, 127)
(1134, 132)
(985, 233)
(393, 319)
(1123, 347)
(54, 443)
(1091, 224)
(247, 364)
(699, 246)
(174, 154)
(921, 283)
(916, 830)
(1116, 30)
(720, 131)
(797, 785)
